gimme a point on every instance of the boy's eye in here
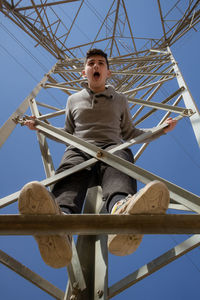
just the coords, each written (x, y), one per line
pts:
(91, 63)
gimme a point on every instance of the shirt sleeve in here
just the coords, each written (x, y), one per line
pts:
(69, 122)
(129, 131)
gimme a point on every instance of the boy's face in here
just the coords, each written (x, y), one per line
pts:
(96, 71)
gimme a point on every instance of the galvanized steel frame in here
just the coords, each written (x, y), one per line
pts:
(142, 71)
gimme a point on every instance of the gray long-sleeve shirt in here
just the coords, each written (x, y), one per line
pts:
(101, 118)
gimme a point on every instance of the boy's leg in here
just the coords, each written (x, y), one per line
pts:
(70, 192)
(55, 250)
(153, 199)
(115, 184)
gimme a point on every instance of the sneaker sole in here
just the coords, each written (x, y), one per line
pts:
(55, 250)
(122, 244)
(152, 199)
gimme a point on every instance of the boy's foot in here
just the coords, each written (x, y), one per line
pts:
(152, 199)
(55, 250)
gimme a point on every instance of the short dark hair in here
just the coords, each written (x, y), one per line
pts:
(93, 52)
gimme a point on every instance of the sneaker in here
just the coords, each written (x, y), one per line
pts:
(152, 199)
(56, 250)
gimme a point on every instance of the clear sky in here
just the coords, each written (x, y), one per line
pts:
(174, 157)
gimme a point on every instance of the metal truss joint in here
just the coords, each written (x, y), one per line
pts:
(188, 113)
(99, 154)
(99, 293)
(75, 291)
(182, 89)
(19, 120)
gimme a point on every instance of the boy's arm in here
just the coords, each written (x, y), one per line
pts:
(31, 124)
(69, 121)
(129, 131)
(69, 124)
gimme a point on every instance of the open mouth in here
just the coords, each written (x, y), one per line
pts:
(96, 75)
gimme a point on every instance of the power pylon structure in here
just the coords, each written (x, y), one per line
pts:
(142, 68)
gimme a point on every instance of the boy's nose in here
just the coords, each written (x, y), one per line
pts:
(96, 65)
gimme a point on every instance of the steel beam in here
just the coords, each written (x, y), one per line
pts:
(178, 110)
(76, 280)
(144, 146)
(93, 224)
(52, 115)
(181, 196)
(148, 85)
(178, 194)
(162, 20)
(94, 260)
(10, 124)
(31, 276)
(44, 5)
(44, 148)
(188, 100)
(154, 265)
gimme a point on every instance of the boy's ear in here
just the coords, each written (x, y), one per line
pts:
(83, 73)
(109, 73)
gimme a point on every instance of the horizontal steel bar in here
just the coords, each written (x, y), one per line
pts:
(47, 106)
(149, 113)
(133, 72)
(149, 85)
(46, 85)
(120, 59)
(52, 115)
(92, 224)
(64, 88)
(140, 59)
(75, 70)
(180, 110)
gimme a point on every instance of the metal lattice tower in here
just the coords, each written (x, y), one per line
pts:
(143, 69)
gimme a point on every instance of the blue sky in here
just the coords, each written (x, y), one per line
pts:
(174, 157)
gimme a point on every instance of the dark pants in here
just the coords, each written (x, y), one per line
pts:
(70, 192)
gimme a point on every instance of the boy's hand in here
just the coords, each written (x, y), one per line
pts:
(171, 125)
(31, 123)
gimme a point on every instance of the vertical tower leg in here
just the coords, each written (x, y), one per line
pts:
(93, 257)
(188, 99)
(101, 268)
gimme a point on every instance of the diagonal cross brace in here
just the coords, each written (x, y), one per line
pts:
(178, 194)
(10, 124)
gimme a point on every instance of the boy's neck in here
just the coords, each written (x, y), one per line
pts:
(97, 90)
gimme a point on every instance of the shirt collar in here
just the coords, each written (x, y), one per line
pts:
(107, 93)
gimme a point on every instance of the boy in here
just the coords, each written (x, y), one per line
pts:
(99, 115)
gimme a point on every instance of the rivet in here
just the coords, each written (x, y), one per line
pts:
(99, 154)
(99, 293)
